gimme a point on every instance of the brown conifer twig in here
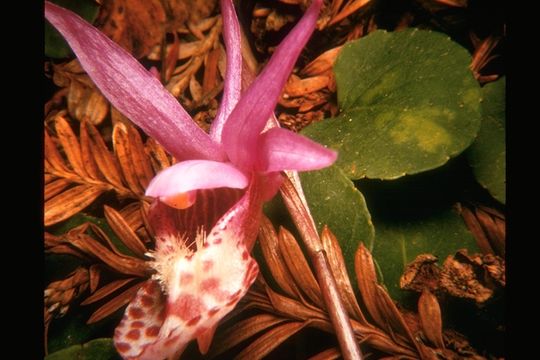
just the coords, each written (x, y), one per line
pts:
(297, 206)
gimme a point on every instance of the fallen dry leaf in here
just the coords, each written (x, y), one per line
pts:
(106, 290)
(86, 103)
(329, 354)
(59, 294)
(122, 150)
(421, 274)
(158, 156)
(339, 271)
(322, 63)
(298, 87)
(132, 215)
(137, 25)
(474, 277)
(116, 303)
(367, 284)
(272, 256)
(95, 275)
(87, 156)
(124, 231)
(299, 267)
(346, 10)
(70, 202)
(200, 10)
(55, 187)
(430, 318)
(105, 161)
(456, 3)
(70, 145)
(243, 330)
(269, 340)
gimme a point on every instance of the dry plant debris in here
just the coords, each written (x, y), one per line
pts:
(475, 277)
(78, 169)
(382, 329)
(488, 226)
(92, 245)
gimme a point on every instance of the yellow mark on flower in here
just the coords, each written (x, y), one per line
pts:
(181, 200)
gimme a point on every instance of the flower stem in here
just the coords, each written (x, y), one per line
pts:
(292, 193)
(294, 198)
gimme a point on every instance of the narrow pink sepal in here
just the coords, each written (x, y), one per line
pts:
(194, 175)
(255, 107)
(132, 89)
(282, 149)
(233, 75)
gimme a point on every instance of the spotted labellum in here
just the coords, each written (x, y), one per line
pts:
(206, 212)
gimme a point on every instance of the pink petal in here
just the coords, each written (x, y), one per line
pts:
(132, 89)
(255, 107)
(193, 175)
(282, 149)
(233, 75)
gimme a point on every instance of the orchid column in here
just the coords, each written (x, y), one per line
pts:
(202, 261)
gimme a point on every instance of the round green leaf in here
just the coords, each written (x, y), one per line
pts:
(55, 45)
(487, 155)
(98, 349)
(334, 200)
(398, 242)
(408, 104)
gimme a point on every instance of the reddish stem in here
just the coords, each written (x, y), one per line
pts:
(304, 222)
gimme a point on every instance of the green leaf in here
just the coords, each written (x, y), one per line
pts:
(487, 155)
(72, 329)
(98, 349)
(334, 201)
(399, 241)
(55, 45)
(414, 215)
(408, 104)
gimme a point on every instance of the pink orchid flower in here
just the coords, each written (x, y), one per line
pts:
(207, 216)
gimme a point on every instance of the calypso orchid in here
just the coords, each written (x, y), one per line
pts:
(206, 214)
